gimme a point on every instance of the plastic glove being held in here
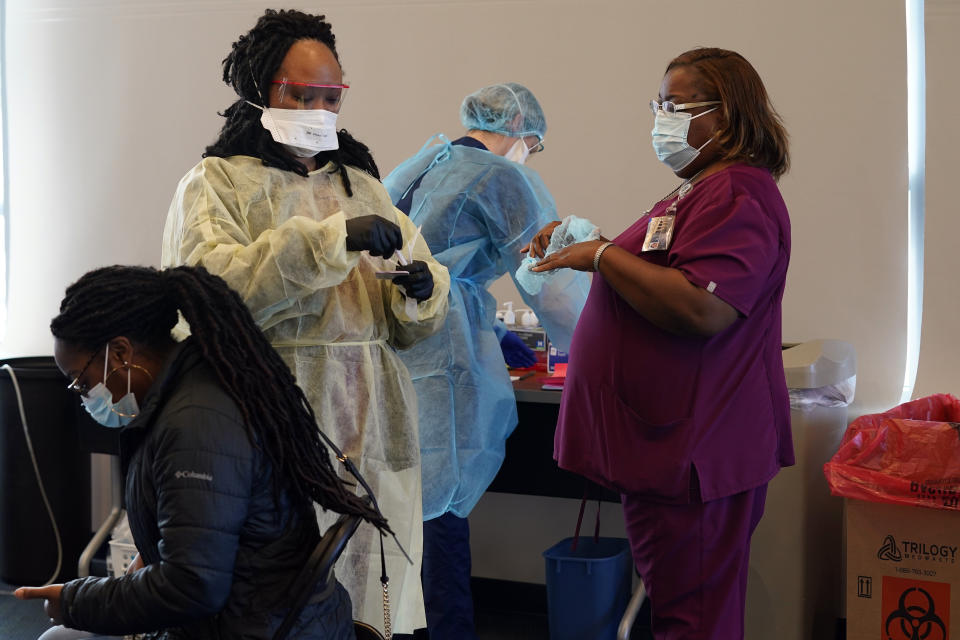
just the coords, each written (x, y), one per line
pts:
(571, 231)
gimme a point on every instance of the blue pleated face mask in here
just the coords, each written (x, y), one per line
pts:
(670, 138)
(100, 405)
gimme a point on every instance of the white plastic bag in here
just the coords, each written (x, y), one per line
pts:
(832, 395)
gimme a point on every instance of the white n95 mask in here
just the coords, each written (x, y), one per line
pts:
(100, 405)
(302, 132)
(670, 138)
(518, 152)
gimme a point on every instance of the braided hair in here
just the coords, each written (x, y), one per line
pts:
(249, 69)
(141, 303)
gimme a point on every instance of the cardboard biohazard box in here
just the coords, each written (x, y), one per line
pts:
(903, 572)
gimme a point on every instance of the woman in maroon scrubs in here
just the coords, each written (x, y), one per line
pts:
(675, 395)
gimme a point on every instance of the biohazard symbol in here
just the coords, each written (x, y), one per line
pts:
(889, 551)
(915, 621)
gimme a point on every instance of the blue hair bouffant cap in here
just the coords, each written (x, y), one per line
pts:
(509, 109)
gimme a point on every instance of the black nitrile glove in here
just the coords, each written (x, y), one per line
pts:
(516, 353)
(377, 235)
(419, 284)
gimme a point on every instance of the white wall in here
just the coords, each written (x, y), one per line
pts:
(939, 348)
(104, 116)
(110, 103)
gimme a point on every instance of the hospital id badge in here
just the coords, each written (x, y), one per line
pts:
(659, 233)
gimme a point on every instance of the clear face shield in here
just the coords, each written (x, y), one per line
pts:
(289, 94)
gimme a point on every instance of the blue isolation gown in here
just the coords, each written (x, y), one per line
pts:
(477, 210)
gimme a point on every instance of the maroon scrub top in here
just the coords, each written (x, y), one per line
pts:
(642, 407)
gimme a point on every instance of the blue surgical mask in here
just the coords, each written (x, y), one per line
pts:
(670, 138)
(100, 405)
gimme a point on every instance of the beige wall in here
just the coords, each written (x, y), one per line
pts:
(109, 104)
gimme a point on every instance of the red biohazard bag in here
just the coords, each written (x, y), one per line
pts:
(907, 455)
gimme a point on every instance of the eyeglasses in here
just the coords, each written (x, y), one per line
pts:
(329, 96)
(75, 386)
(537, 147)
(670, 107)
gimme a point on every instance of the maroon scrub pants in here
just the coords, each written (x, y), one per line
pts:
(693, 560)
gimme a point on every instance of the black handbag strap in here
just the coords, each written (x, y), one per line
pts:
(352, 468)
(319, 564)
(329, 548)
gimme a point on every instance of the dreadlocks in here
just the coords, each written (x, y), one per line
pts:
(141, 303)
(249, 69)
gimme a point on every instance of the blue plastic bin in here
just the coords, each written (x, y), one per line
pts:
(587, 589)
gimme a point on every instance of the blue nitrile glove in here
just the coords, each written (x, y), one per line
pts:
(516, 354)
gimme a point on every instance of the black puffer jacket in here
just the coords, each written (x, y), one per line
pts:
(220, 553)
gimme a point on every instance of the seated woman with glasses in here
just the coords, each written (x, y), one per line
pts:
(675, 396)
(224, 464)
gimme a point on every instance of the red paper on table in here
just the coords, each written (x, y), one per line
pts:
(556, 381)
